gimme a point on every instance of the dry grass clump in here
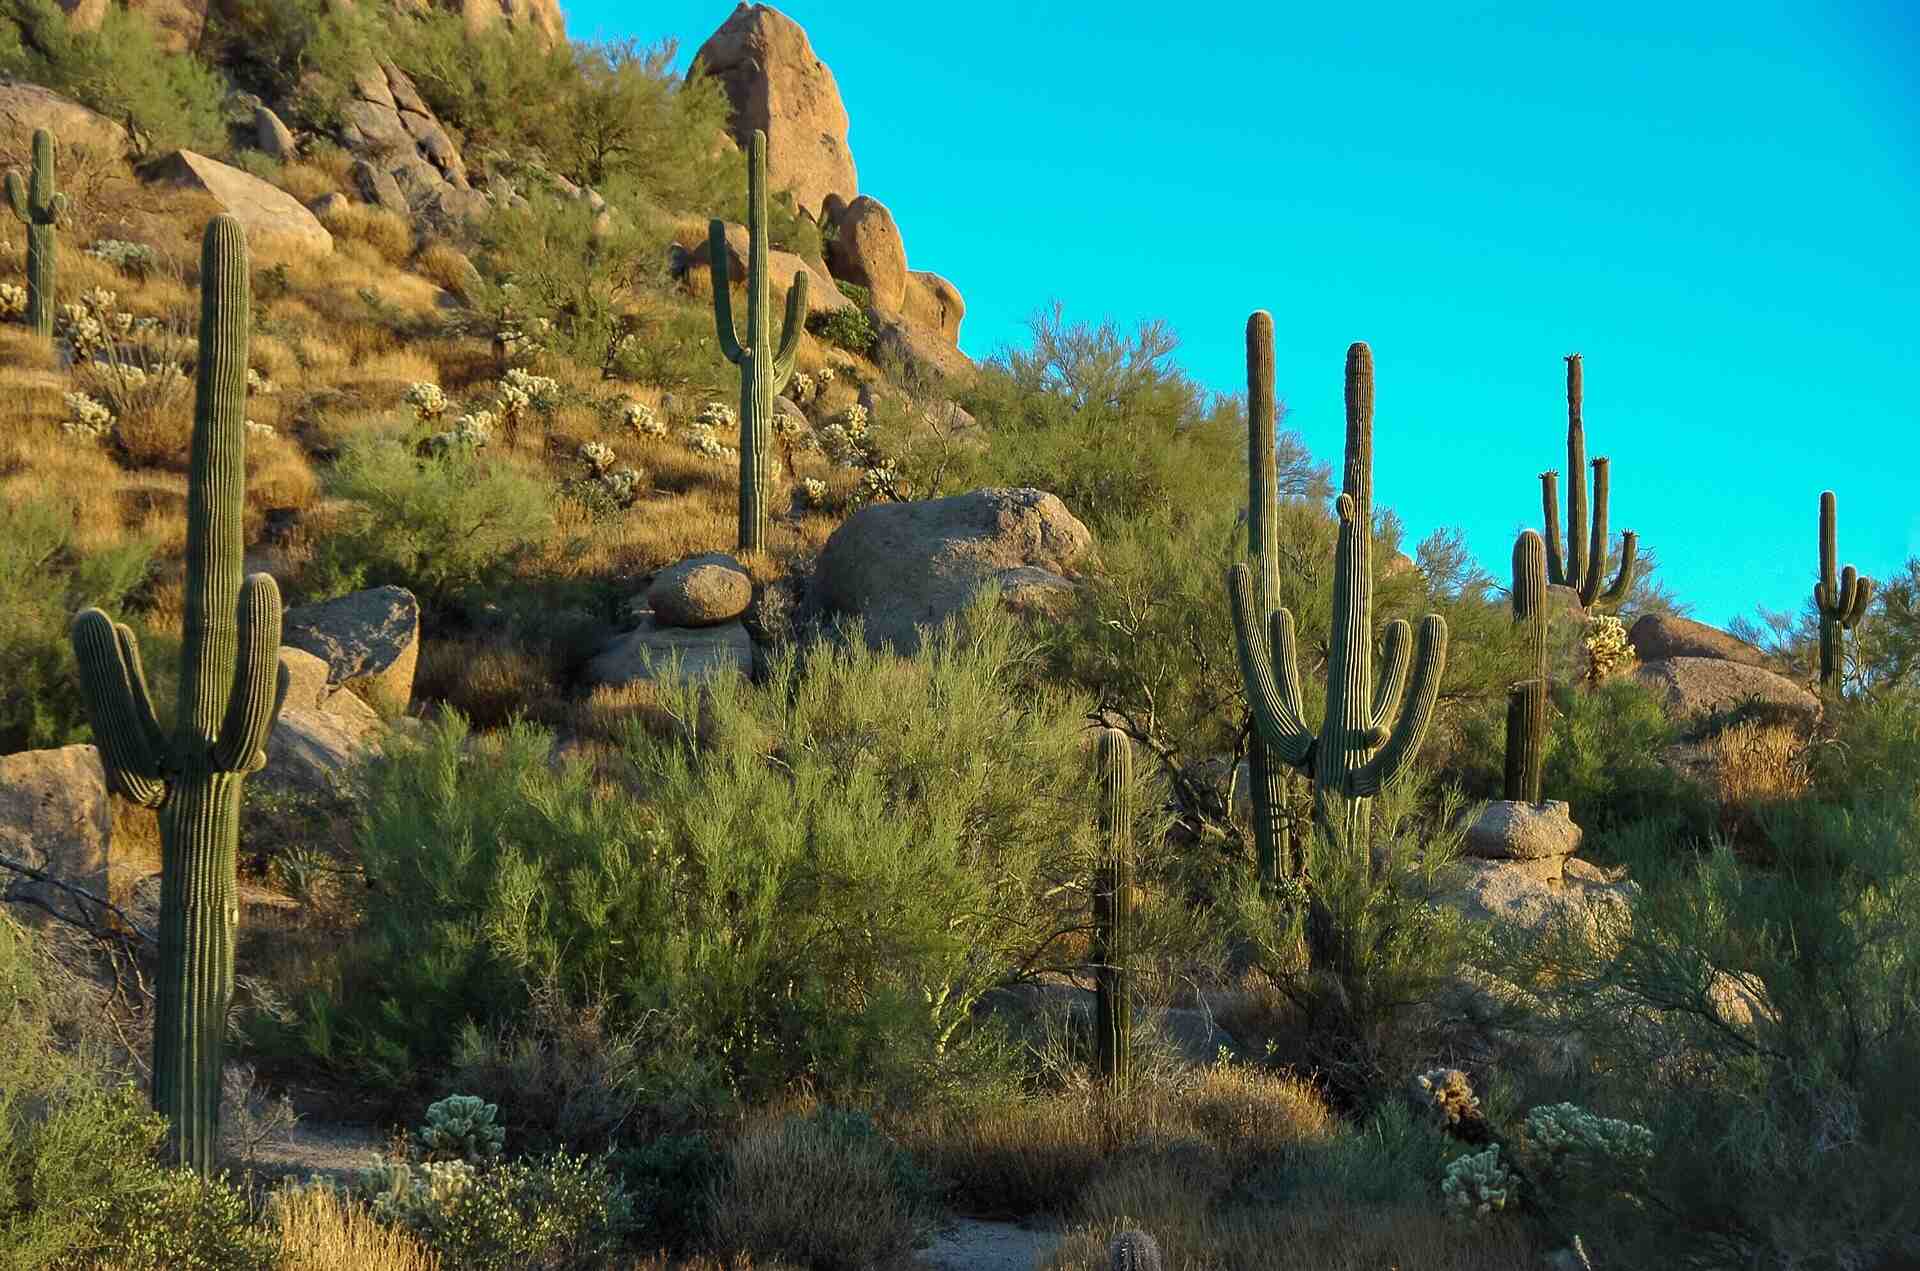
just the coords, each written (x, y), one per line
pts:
(1193, 1235)
(1755, 766)
(322, 1230)
(492, 680)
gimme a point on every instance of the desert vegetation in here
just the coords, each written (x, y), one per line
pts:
(1217, 880)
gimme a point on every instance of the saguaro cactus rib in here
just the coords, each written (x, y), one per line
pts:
(762, 376)
(1355, 754)
(1527, 700)
(39, 207)
(1841, 600)
(232, 687)
(1113, 1010)
(1584, 559)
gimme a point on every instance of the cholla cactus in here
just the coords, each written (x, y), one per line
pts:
(1608, 651)
(622, 484)
(643, 419)
(597, 455)
(427, 400)
(83, 332)
(137, 259)
(260, 430)
(99, 301)
(824, 378)
(90, 418)
(522, 394)
(701, 441)
(814, 491)
(718, 415)
(1566, 1135)
(1477, 1185)
(800, 387)
(461, 1127)
(259, 385)
(13, 300)
(1447, 1096)
(414, 1195)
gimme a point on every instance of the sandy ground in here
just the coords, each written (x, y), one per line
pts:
(973, 1244)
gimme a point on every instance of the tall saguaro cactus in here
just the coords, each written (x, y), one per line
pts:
(1527, 700)
(1266, 774)
(1841, 598)
(1113, 884)
(764, 372)
(1359, 750)
(38, 206)
(1580, 564)
(231, 688)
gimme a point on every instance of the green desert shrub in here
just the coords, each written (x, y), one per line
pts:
(1604, 758)
(45, 578)
(170, 100)
(447, 526)
(816, 877)
(557, 1211)
(848, 328)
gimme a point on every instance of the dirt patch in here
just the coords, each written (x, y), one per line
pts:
(975, 1244)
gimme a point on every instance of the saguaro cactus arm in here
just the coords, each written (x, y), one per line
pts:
(1582, 562)
(259, 679)
(1386, 693)
(115, 689)
(722, 293)
(791, 326)
(1275, 698)
(1403, 743)
(1844, 598)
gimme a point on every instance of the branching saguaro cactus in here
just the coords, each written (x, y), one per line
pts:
(764, 372)
(1356, 753)
(38, 206)
(1113, 884)
(1266, 774)
(1842, 598)
(231, 687)
(1527, 700)
(1580, 564)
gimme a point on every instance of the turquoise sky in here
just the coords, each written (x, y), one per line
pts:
(1716, 203)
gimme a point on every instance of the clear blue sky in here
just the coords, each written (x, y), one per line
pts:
(1718, 204)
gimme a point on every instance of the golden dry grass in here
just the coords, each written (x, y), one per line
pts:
(320, 1230)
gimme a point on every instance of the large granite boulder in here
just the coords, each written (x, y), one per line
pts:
(389, 125)
(702, 591)
(272, 218)
(1538, 835)
(920, 352)
(904, 566)
(782, 268)
(1704, 691)
(651, 652)
(775, 84)
(934, 303)
(370, 641)
(177, 24)
(54, 817)
(1511, 893)
(25, 107)
(867, 251)
(1659, 636)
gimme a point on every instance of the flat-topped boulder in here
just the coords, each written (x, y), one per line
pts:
(653, 652)
(271, 217)
(1659, 636)
(1703, 691)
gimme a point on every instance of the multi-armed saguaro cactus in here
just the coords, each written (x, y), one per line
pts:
(763, 371)
(38, 207)
(1527, 700)
(1113, 1012)
(231, 687)
(1582, 562)
(1356, 753)
(1842, 598)
(1266, 774)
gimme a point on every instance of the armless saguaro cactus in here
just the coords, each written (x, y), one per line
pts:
(1266, 774)
(1113, 1011)
(1356, 753)
(1842, 598)
(231, 687)
(764, 372)
(1527, 700)
(38, 206)
(1580, 564)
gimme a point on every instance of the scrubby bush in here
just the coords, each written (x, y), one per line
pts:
(46, 578)
(552, 1212)
(447, 526)
(847, 328)
(1604, 757)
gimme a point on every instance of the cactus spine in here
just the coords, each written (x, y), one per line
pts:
(763, 373)
(1266, 774)
(1580, 564)
(1527, 700)
(231, 687)
(38, 206)
(1113, 885)
(1841, 599)
(1356, 753)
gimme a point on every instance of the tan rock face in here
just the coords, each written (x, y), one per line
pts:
(25, 107)
(272, 218)
(935, 303)
(866, 250)
(1658, 635)
(370, 641)
(782, 268)
(54, 817)
(1705, 690)
(776, 84)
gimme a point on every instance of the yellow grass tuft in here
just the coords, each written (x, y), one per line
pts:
(321, 1230)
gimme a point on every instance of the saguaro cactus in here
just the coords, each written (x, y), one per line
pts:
(763, 373)
(38, 206)
(1582, 562)
(1266, 774)
(1357, 753)
(1841, 599)
(231, 687)
(1527, 700)
(1113, 1011)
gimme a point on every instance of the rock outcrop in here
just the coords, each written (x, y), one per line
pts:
(1658, 636)
(776, 84)
(390, 127)
(25, 107)
(866, 250)
(653, 650)
(54, 817)
(1704, 691)
(782, 268)
(901, 567)
(272, 218)
(370, 641)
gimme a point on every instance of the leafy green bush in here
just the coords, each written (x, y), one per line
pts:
(44, 580)
(557, 1211)
(168, 100)
(848, 328)
(1604, 758)
(821, 878)
(671, 1180)
(446, 526)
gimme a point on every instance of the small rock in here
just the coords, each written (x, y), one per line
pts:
(700, 592)
(370, 641)
(307, 686)
(272, 135)
(649, 652)
(328, 206)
